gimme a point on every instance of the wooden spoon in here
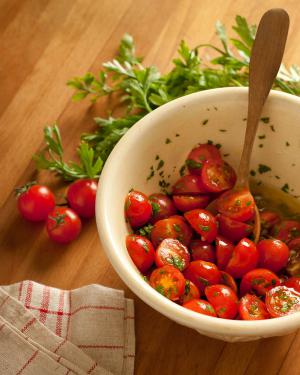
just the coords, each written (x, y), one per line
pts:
(266, 57)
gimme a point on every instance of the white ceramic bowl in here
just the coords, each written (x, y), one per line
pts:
(129, 165)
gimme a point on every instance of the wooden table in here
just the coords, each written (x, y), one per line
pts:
(43, 44)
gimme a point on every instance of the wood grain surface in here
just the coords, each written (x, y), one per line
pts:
(43, 44)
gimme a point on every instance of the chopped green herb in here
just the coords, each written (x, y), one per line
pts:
(252, 173)
(193, 164)
(285, 188)
(177, 135)
(259, 183)
(262, 168)
(177, 262)
(156, 157)
(248, 203)
(244, 119)
(225, 155)
(187, 287)
(155, 208)
(160, 289)
(177, 228)
(278, 178)
(145, 230)
(209, 308)
(222, 310)
(203, 281)
(182, 170)
(272, 128)
(287, 144)
(161, 173)
(265, 120)
(209, 142)
(215, 108)
(205, 228)
(204, 122)
(222, 130)
(150, 175)
(145, 246)
(160, 164)
(261, 145)
(218, 145)
(167, 141)
(262, 136)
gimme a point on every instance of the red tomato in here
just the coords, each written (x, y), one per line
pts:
(189, 185)
(63, 225)
(190, 202)
(162, 207)
(244, 258)
(35, 202)
(199, 155)
(232, 229)
(228, 280)
(273, 254)
(141, 251)
(217, 176)
(268, 219)
(202, 274)
(252, 308)
(168, 281)
(171, 251)
(201, 250)
(138, 209)
(204, 223)
(190, 292)
(282, 301)
(173, 227)
(223, 300)
(259, 281)
(293, 282)
(224, 250)
(237, 204)
(286, 230)
(200, 306)
(293, 266)
(81, 196)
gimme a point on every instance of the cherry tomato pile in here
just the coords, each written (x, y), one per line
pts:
(63, 224)
(207, 262)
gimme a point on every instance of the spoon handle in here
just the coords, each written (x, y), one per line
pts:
(266, 56)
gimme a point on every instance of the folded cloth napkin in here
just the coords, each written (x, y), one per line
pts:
(45, 330)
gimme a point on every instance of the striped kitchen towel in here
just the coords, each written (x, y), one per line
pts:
(45, 330)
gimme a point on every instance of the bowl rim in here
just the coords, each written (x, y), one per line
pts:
(135, 282)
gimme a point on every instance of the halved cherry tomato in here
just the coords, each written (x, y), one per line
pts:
(200, 306)
(232, 229)
(273, 254)
(204, 223)
(259, 281)
(282, 301)
(138, 210)
(237, 204)
(293, 282)
(190, 185)
(286, 230)
(201, 250)
(141, 251)
(173, 227)
(162, 207)
(224, 250)
(199, 155)
(171, 251)
(252, 308)
(81, 196)
(217, 176)
(190, 292)
(268, 219)
(202, 274)
(244, 258)
(168, 281)
(223, 300)
(228, 280)
(190, 202)
(293, 266)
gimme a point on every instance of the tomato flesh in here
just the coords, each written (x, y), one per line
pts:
(202, 274)
(201, 250)
(223, 300)
(197, 157)
(286, 230)
(224, 250)
(200, 306)
(168, 281)
(171, 251)
(162, 207)
(189, 185)
(217, 176)
(252, 308)
(273, 254)
(258, 281)
(138, 209)
(268, 219)
(190, 202)
(281, 301)
(228, 280)
(81, 196)
(232, 229)
(204, 223)
(141, 251)
(293, 282)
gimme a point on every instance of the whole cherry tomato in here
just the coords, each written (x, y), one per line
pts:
(204, 223)
(141, 251)
(228, 280)
(168, 281)
(201, 250)
(138, 209)
(189, 185)
(282, 301)
(244, 258)
(293, 282)
(202, 274)
(223, 300)
(81, 196)
(286, 230)
(190, 292)
(217, 176)
(224, 250)
(200, 306)
(171, 251)
(268, 219)
(162, 207)
(190, 202)
(63, 225)
(273, 254)
(252, 308)
(259, 281)
(173, 227)
(237, 204)
(232, 229)
(35, 202)
(199, 155)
